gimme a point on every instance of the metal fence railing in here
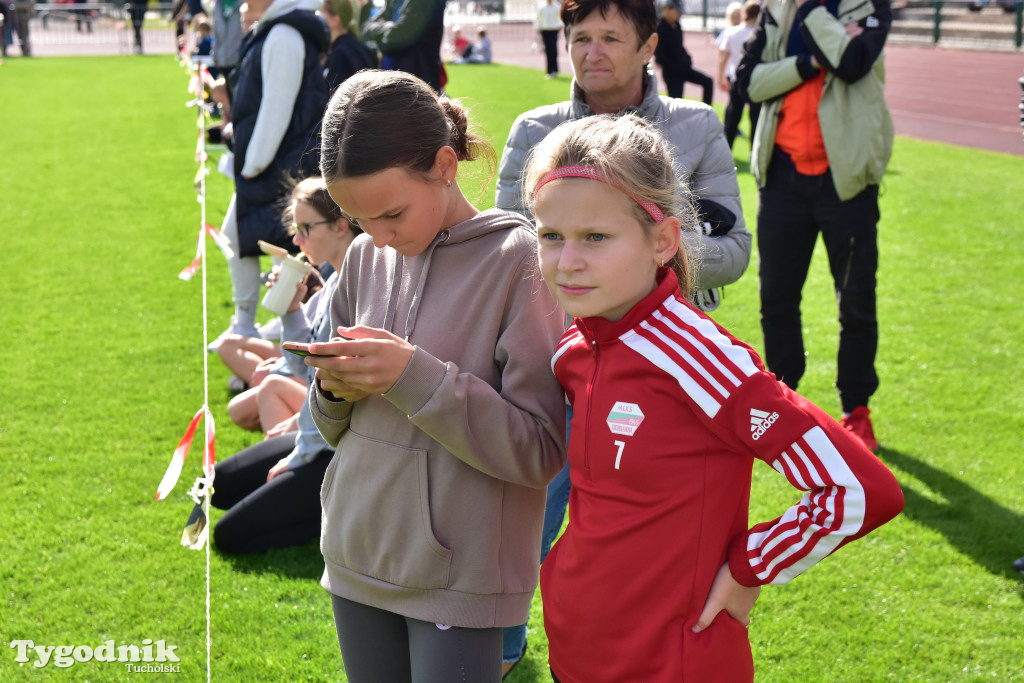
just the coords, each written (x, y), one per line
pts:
(984, 24)
(68, 28)
(987, 24)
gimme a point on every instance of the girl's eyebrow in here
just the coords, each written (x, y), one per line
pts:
(385, 213)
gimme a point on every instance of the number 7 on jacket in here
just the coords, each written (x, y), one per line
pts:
(618, 456)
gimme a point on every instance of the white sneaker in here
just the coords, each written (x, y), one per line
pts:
(233, 328)
(271, 331)
(236, 384)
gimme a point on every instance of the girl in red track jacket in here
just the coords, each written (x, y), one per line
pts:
(656, 574)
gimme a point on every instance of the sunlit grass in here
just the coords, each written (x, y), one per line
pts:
(103, 367)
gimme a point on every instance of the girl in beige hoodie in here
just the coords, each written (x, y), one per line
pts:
(447, 421)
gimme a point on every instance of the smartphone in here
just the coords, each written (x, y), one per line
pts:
(298, 348)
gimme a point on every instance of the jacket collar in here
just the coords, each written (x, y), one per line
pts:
(647, 108)
(602, 331)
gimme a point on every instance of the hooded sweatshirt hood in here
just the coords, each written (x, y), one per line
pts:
(281, 7)
(411, 272)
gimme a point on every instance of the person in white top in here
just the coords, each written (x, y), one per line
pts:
(278, 98)
(730, 51)
(548, 24)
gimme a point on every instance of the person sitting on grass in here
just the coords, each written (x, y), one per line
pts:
(276, 393)
(249, 359)
(271, 405)
(460, 44)
(479, 52)
(204, 42)
(270, 489)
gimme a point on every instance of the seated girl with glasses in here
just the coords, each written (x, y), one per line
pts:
(270, 489)
(271, 395)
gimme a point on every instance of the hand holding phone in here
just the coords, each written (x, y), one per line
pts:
(301, 349)
(371, 363)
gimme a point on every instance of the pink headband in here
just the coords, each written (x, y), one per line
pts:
(593, 174)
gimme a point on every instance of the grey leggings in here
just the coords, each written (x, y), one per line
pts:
(379, 646)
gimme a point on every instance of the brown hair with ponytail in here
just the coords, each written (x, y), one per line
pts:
(378, 120)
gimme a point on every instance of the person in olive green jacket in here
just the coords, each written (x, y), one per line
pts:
(820, 150)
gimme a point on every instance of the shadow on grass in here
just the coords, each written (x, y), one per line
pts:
(301, 562)
(974, 524)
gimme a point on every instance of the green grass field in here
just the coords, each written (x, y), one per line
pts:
(102, 368)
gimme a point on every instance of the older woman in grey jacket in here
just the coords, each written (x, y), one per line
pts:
(610, 55)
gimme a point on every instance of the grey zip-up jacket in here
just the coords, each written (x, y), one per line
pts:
(703, 159)
(434, 500)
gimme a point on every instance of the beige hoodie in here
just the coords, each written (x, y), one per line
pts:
(434, 500)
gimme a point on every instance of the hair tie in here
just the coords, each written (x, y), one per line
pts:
(593, 174)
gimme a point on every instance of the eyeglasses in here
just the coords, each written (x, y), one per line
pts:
(304, 228)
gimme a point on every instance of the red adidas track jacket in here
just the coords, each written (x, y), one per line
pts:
(669, 412)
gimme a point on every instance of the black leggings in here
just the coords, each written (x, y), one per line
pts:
(261, 515)
(377, 645)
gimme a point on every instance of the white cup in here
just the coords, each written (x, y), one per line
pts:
(279, 297)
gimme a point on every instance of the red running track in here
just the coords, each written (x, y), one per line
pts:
(961, 97)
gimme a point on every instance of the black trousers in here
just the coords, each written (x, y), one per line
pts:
(22, 17)
(674, 84)
(551, 50)
(734, 114)
(793, 209)
(261, 515)
(137, 13)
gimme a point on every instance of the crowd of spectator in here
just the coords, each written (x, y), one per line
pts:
(278, 62)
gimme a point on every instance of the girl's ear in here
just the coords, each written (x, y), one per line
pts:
(666, 240)
(446, 163)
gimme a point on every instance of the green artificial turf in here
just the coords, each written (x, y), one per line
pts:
(103, 368)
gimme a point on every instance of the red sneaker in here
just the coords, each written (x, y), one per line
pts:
(858, 423)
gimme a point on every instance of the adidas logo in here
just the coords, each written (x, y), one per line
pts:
(760, 421)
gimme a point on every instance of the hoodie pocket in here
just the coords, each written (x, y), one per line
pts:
(376, 506)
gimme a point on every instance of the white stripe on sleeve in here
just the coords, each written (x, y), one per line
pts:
(814, 527)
